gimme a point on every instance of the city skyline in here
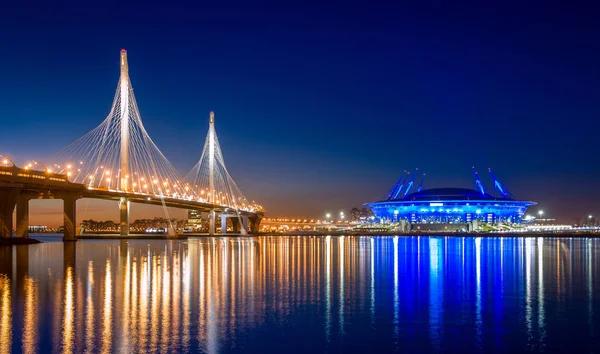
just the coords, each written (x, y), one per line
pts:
(303, 146)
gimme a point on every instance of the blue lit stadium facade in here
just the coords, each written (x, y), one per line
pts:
(449, 206)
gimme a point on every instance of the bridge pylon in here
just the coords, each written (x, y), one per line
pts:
(119, 155)
(211, 181)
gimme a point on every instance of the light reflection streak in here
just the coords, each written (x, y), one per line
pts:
(186, 301)
(528, 280)
(436, 295)
(232, 283)
(342, 297)
(396, 296)
(174, 280)
(161, 279)
(107, 316)
(126, 317)
(68, 316)
(328, 288)
(541, 311)
(89, 311)
(212, 333)
(201, 299)
(5, 314)
(590, 287)
(143, 299)
(502, 263)
(372, 256)
(134, 303)
(29, 341)
(478, 300)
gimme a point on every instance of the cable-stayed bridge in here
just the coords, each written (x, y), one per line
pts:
(118, 161)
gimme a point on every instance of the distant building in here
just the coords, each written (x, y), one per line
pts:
(38, 228)
(195, 220)
(194, 215)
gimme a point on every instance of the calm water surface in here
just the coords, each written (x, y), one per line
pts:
(302, 294)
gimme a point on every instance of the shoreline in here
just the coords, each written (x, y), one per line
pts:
(14, 241)
(352, 233)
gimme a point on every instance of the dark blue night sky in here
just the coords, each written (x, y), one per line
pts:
(321, 107)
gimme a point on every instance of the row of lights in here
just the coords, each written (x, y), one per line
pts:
(107, 173)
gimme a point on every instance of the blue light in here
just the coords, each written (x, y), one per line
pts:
(454, 205)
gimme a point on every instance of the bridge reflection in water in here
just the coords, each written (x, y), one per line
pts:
(300, 293)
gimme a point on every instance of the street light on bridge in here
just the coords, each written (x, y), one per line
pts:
(342, 216)
(327, 216)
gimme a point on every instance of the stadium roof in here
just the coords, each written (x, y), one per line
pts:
(448, 194)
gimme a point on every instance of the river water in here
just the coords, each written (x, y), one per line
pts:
(302, 294)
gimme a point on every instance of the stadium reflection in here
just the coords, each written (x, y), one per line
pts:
(240, 294)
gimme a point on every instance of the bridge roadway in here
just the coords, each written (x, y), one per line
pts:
(18, 186)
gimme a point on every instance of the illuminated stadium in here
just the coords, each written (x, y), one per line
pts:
(449, 208)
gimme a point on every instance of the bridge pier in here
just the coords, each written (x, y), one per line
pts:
(23, 216)
(254, 223)
(8, 200)
(244, 228)
(211, 222)
(235, 224)
(223, 223)
(239, 223)
(70, 214)
(124, 212)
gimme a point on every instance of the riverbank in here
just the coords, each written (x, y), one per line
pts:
(131, 237)
(344, 233)
(434, 233)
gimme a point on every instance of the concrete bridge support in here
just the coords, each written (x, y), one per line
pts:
(124, 212)
(211, 222)
(254, 223)
(223, 224)
(245, 223)
(235, 224)
(8, 201)
(70, 214)
(239, 223)
(23, 216)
